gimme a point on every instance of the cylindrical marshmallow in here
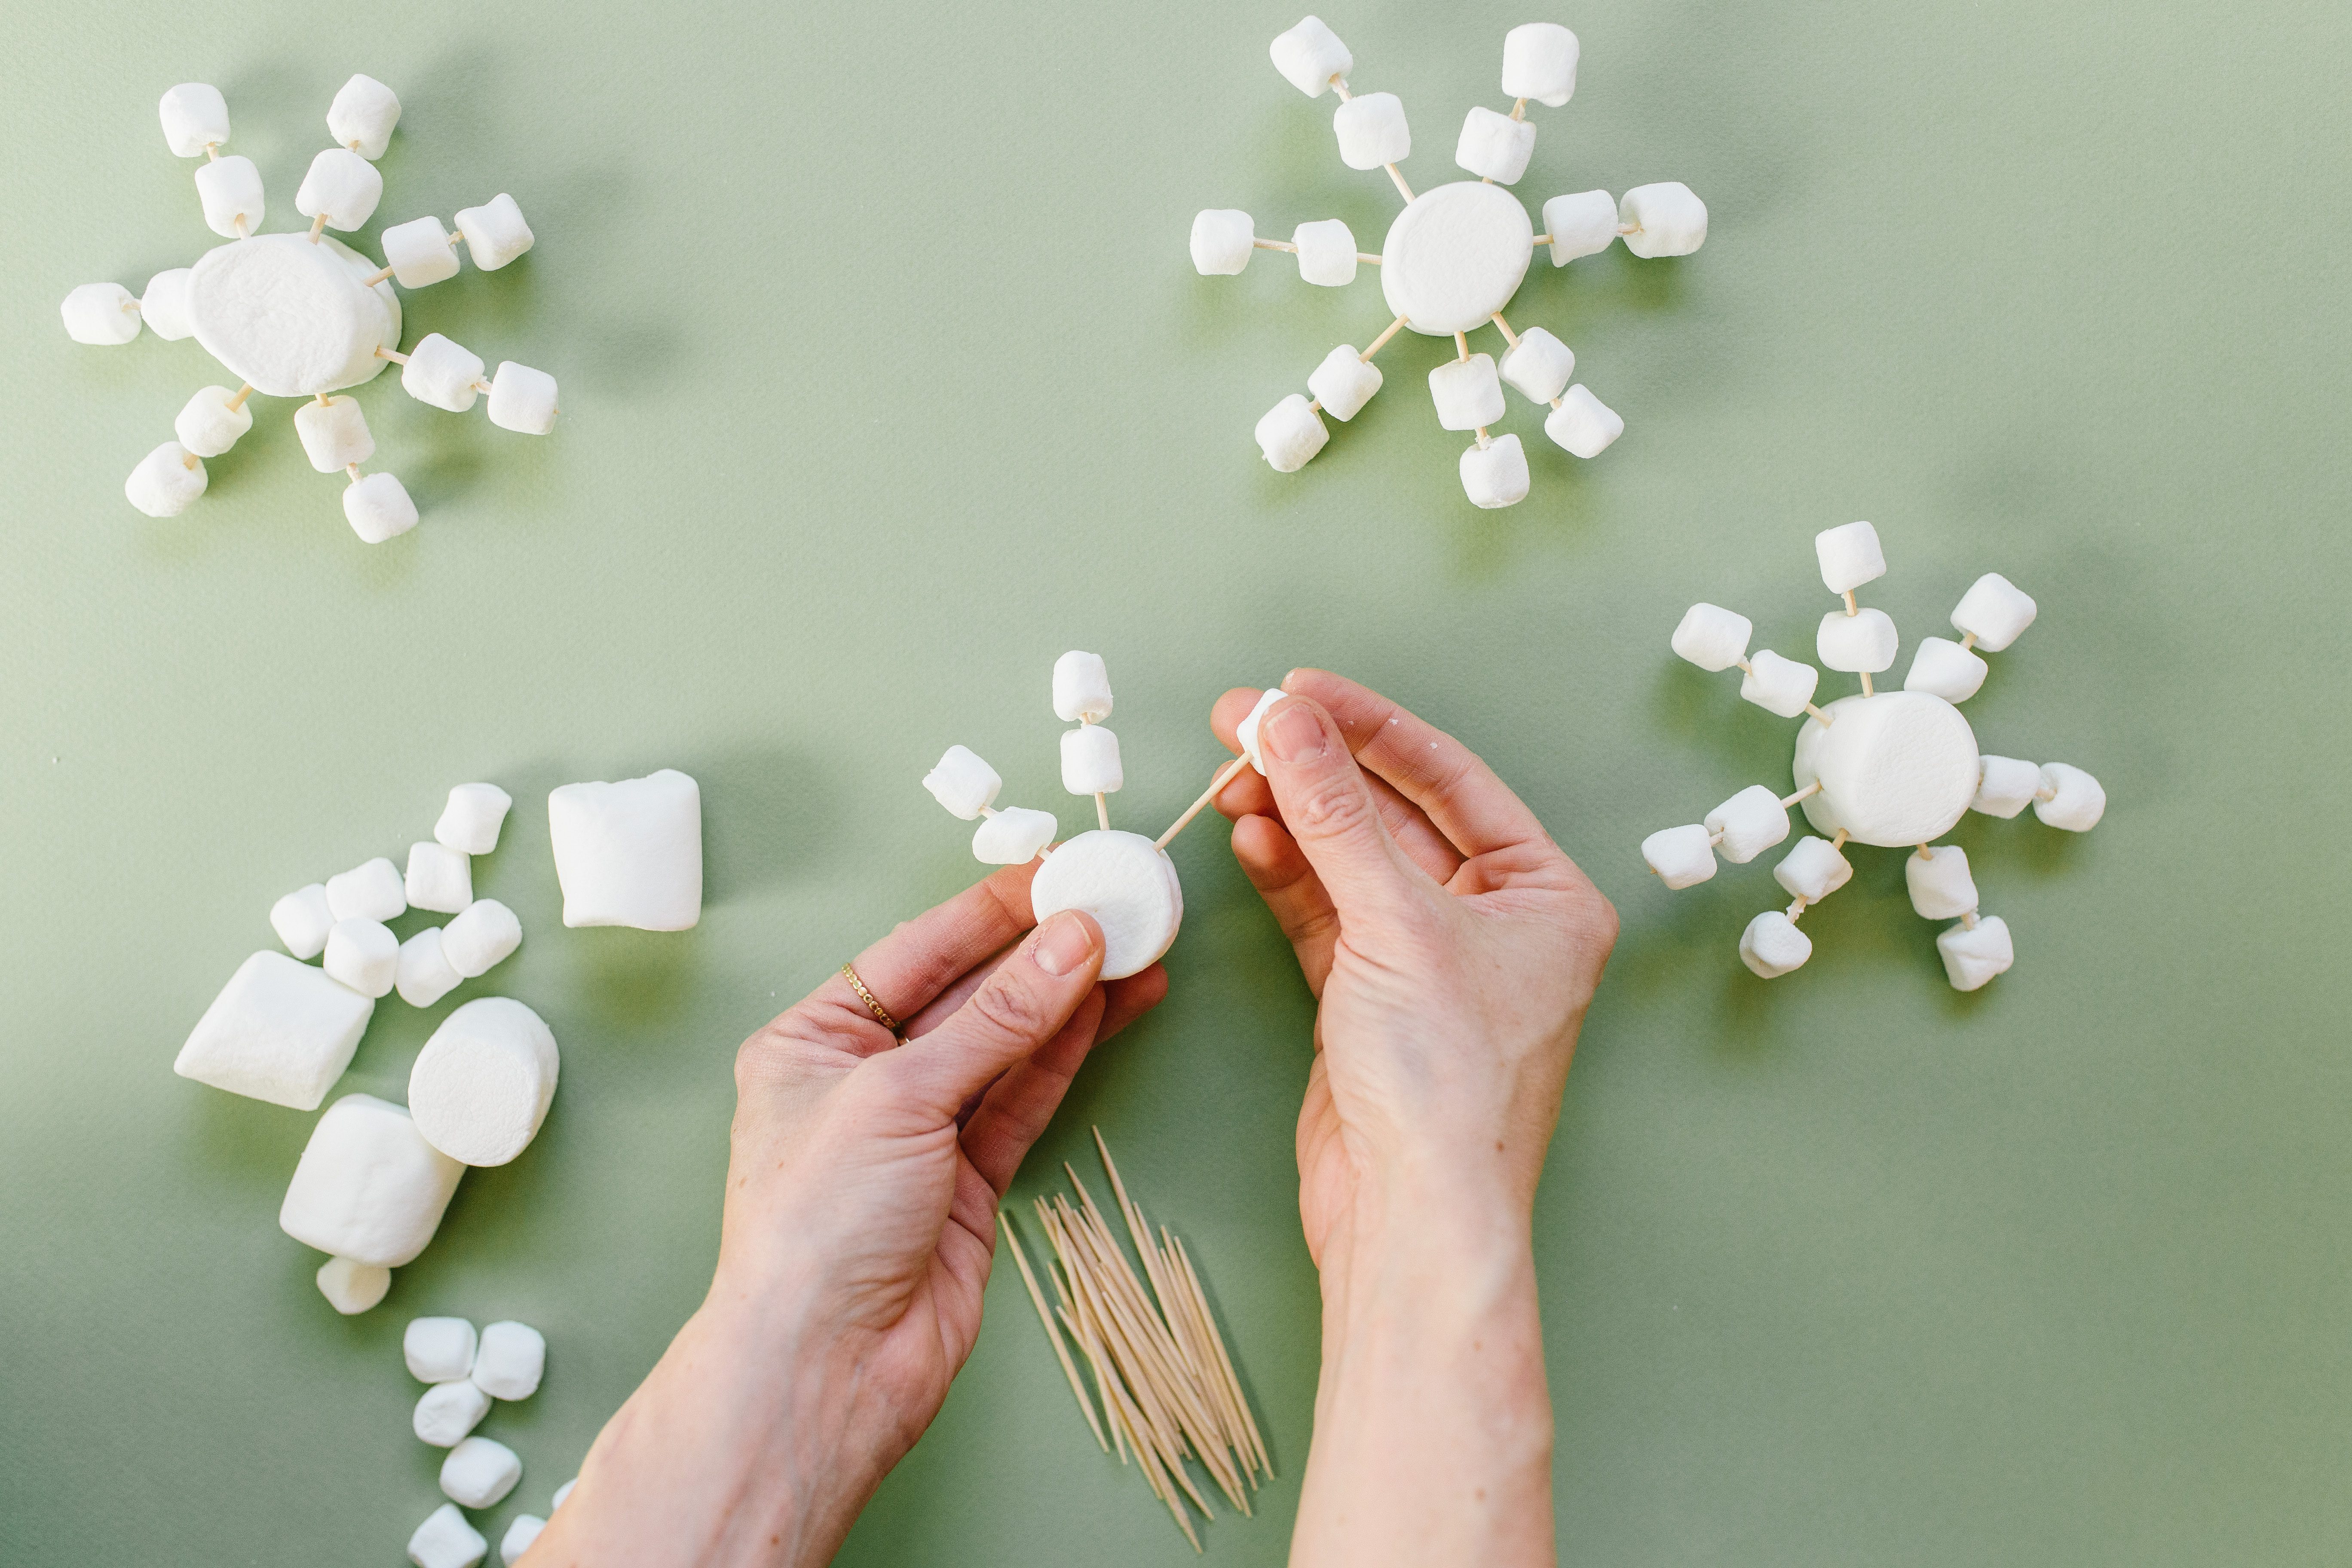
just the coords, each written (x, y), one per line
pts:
(1467, 392)
(334, 434)
(1580, 224)
(1344, 382)
(479, 1472)
(1013, 835)
(103, 315)
(1223, 238)
(165, 306)
(1865, 640)
(1127, 883)
(230, 189)
(1081, 688)
(1539, 62)
(511, 1359)
(1750, 823)
(480, 937)
(368, 1186)
(446, 1412)
(1496, 475)
(522, 399)
(1713, 637)
(363, 116)
(166, 480)
(194, 117)
(439, 879)
(1372, 131)
(1974, 954)
(1682, 856)
(1996, 609)
(1327, 253)
(1814, 870)
(1664, 219)
(482, 1084)
(962, 782)
(301, 919)
(341, 187)
(1289, 434)
(2005, 786)
(1941, 887)
(629, 853)
(438, 1350)
(1247, 732)
(208, 425)
(1850, 556)
(352, 1287)
(1583, 425)
(425, 976)
(1538, 364)
(469, 823)
(1779, 685)
(1494, 146)
(364, 955)
(2076, 801)
(1772, 945)
(1946, 669)
(442, 373)
(1310, 57)
(419, 253)
(372, 892)
(495, 232)
(378, 508)
(1090, 761)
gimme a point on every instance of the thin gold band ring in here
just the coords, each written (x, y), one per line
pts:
(881, 1013)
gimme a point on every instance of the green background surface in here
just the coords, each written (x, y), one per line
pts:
(885, 380)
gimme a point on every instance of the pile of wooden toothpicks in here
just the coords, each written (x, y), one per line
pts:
(1167, 1386)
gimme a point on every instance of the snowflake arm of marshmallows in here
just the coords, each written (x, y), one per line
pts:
(300, 314)
(1126, 881)
(1891, 768)
(1453, 261)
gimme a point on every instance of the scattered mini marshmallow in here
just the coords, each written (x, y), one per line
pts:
(1713, 637)
(1974, 954)
(469, 823)
(629, 854)
(1344, 382)
(511, 1359)
(439, 1350)
(1941, 887)
(481, 1086)
(1494, 146)
(1945, 669)
(230, 190)
(562, 1492)
(352, 1287)
(1779, 685)
(194, 117)
(1865, 640)
(1090, 761)
(1290, 433)
(1222, 239)
(1750, 822)
(1583, 425)
(334, 433)
(1814, 870)
(2005, 786)
(1127, 883)
(1539, 62)
(1664, 219)
(281, 1031)
(363, 116)
(1850, 556)
(302, 920)
(341, 187)
(1013, 836)
(443, 374)
(1538, 364)
(519, 1538)
(2076, 801)
(495, 232)
(439, 879)
(522, 399)
(1772, 945)
(165, 306)
(1496, 475)
(1247, 732)
(1467, 392)
(962, 782)
(364, 955)
(1584, 224)
(445, 1540)
(419, 253)
(1081, 689)
(1995, 610)
(426, 974)
(208, 425)
(100, 314)
(479, 1472)
(166, 481)
(1310, 57)
(378, 508)
(1327, 253)
(1682, 856)
(480, 937)
(371, 891)
(1371, 131)
(446, 1412)
(368, 1187)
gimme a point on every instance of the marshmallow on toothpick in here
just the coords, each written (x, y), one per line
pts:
(1344, 382)
(1013, 835)
(1247, 731)
(629, 854)
(1772, 945)
(1850, 556)
(962, 782)
(194, 117)
(1081, 688)
(1290, 433)
(1090, 761)
(1223, 238)
(419, 253)
(1540, 63)
(342, 188)
(167, 480)
(1372, 131)
(495, 232)
(1327, 253)
(1682, 856)
(363, 116)
(1713, 637)
(1750, 823)
(208, 425)
(1310, 57)
(1583, 425)
(102, 314)
(1496, 475)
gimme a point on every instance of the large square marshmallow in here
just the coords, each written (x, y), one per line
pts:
(519, 1536)
(1289, 434)
(341, 187)
(352, 1287)
(371, 891)
(495, 232)
(378, 507)
(1344, 382)
(1327, 253)
(1772, 945)
(1372, 131)
(363, 955)
(629, 854)
(1467, 392)
(1494, 146)
(439, 1350)
(1779, 685)
(208, 425)
(1941, 887)
(447, 1540)
(2076, 801)
(962, 782)
(2005, 786)
(1664, 219)
(511, 1361)
(1682, 856)
(426, 974)
(194, 117)
(1713, 637)
(1974, 955)
(363, 116)
(165, 306)
(103, 315)
(1309, 56)
(469, 824)
(1864, 641)
(481, 1086)
(446, 1412)
(230, 190)
(1814, 870)
(1013, 836)
(1580, 224)
(1496, 475)
(481, 938)
(1996, 610)
(279, 1031)
(1090, 761)
(1538, 364)
(479, 1472)
(1750, 822)
(1539, 62)
(368, 1187)
(1223, 238)
(167, 480)
(419, 253)
(443, 374)
(334, 433)
(1583, 425)
(522, 399)
(1081, 688)
(1946, 669)
(302, 920)
(1850, 556)
(439, 879)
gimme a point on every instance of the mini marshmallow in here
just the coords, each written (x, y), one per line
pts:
(630, 854)
(1290, 433)
(1996, 609)
(363, 955)
(1327, 253)
(352, 1287)
(1750, 823)
(341, 186)
(1713, 637)
(1496, 475)
(1246, 732)
(1467, 392)
(1941, 887)
(2005, 786)
(1850, 556)
(519, 1536)
(166, 481)
(1309, 56)
(1814, 870)
(562, 1492)
(1580, 224)
(439, 879)
(2076, 802)
(302, 920)
(469, 823)
(495, 232)
(378, 508)
(522, 399)
(368, 1187)
(1081, 688)
(439, 1350)
(279, 1031)
(962, 782)
(1682, 856)
(442, 373)
(1344, 382)
(1539, 62)
(481, 1086)
(1865, 640)
(194, 117)
(511, 1361)
(1372, 131)
(230, 189)
(447, 1540)
(334, 434)
(363, 116)
(479, 1472)
(103, 315)
(1494, 146)
(1946, 669)
(425, 974)
(373, 892)
(1779, 685)
(1772, 945)
(419, 253)
(1013, 836)
(1223, 238)
(481, 937)
(446, 1412)
(1538, 364)
(165, 306)
(1090, 761)
(1582, 424)
(208, 425)
(1664, 219)
(1972, 956)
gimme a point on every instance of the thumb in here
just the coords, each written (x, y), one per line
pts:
(1329, 808)
(1020, 1007)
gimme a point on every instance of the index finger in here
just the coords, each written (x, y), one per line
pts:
(922, 957)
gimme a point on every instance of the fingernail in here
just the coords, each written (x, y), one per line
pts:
(1294, 734)
(1064, 945)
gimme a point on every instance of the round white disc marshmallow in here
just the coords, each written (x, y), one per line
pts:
(1127, 883)
(1456, 256)
(1895, 769)
(293, 316)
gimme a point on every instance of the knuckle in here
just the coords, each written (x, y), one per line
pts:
(1009, 1010)
(1336, 806)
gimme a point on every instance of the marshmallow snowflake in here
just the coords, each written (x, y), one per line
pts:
(1453, 260)
(303, 315)
(1896, 769)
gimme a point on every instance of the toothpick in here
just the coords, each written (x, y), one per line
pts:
(1061, 1350)
(1382, 341)
(243, 393)
(1225, 775)
(318, 227)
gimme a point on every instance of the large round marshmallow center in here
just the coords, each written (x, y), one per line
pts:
(1456, 256)
(292, 317)
(1127, 884)
(1895, 769)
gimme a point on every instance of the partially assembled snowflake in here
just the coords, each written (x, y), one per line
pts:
(1890, 768)
(303, 315)
(1453, 261)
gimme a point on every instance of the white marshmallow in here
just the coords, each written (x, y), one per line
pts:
(1896, 769)
(1090, 761)
(1127, 883)
(363, 955)
(630, 854)
(1309, 56)
(1538, 364)
(511, 1361)
(340, 186)
(447, 1540)
(1682, 856)
(522, 399)
(1081, 688)
(378, 508)
(194, 117)
(1972, 957)
(1289, 434)
(166, 481)
(425, 974)
(363, 116)
(1327, 253)
(102, 315)
(439, 879)
(290, 316)
(1456, 256)
(1539, 62)
(1941, 887)
(1850, 556)
(1013, 835)
(1580, 224)
(368, 1187)
(1945, 668)
(2076, 801)
(469, 823)
(1496, 475)
(1865, 640)
(279, 1031)
(1467, 392)
(519, 1538)
(1750, 823)
(165, 306)
(1223, 238)
(1713, 637)
(1772, 945)
(443, 374)
(419, 253)
(495, 232)
(1247, 731)
(562, 1492)
(373, 892)
(480, 937)
(1582, 424)
(1494, 146)
(1814, 870)
(208, 425)
(1344, 382)
(2005, 786)
(1996, 609)
(1372, 131)
(481, 1086)
(1779, 685)
(479, 1472)
(352, 1287)
(302, 920)
(962, 782)
(438, 1350)
(446, 1412)
(334, 434)
(1664, 219)
(230, 189)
